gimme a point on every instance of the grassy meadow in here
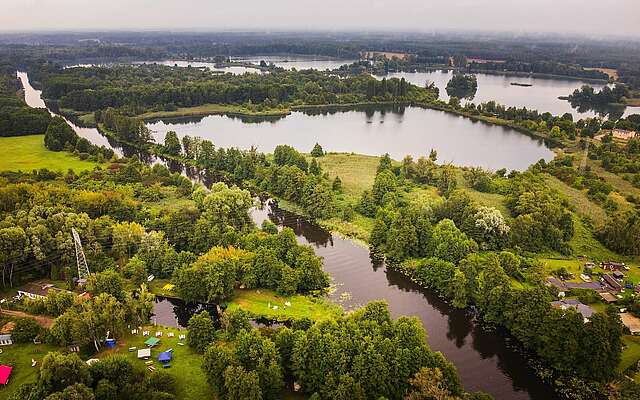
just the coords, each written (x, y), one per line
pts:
(26, 153)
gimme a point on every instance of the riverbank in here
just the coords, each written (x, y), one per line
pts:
(215, 109)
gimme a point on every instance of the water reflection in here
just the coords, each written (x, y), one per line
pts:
(486, 360)
(542, 95)
(372, 130)
(176, 313)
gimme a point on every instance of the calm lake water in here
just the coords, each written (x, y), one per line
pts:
(236, 70)
(298, 62)
(542, 96)
(398, 131)
(485, 360)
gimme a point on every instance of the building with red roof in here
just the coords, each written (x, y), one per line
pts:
(5, 373)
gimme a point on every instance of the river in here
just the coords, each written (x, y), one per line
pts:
(33, 98)
(485, 360)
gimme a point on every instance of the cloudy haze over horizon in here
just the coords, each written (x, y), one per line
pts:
(611, 17)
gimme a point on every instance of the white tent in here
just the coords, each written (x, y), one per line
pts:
(144, 353)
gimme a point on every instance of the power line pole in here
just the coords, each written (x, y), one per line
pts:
(83, 268)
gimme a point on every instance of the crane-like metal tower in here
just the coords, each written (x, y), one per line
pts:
(83, 268)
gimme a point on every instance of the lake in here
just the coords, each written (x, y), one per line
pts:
(541, 96)
(297, 61)
(396, 130)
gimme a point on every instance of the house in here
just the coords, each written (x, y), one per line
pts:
(618, 275)
(583, 309)
(36, 290)
(608, 297)
(631, 322)
(564, 286)
(589, 265)
(5, 334)
(611, 283)
(5, 373)
(614, 266)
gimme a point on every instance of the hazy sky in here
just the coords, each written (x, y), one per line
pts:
(617, 17)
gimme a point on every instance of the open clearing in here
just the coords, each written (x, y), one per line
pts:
(26, 153)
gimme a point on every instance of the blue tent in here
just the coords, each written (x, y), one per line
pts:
(165, 356)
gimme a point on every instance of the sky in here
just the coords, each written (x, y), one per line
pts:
(591, 17)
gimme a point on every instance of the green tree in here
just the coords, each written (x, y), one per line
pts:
(450, 243)
(109, 282)
(241, 384)
(317, 151)
(58, 371)
(172, 144)
(385, 182)
(202, 332)
(314, 168)
(234, 321)
(385, 163)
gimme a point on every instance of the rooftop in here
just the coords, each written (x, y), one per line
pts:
(7, 328)
(39, 288)
(5, 373)
(583, 309)
(631, 322)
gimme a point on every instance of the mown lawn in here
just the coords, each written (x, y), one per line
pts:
(185, 366)
(19, 356)
(260, 303)
(27, 153)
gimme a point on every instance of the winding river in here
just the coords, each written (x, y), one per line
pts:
(485, 360)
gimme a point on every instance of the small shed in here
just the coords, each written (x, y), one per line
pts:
(165, 356)
(608, 297)
(152, 341)
(5, 373)
(631, 322)
(144, 353)
(618, 275)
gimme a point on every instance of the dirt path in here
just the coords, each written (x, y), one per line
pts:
(41, 320)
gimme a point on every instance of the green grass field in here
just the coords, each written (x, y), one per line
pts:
(257, 302)
(19, 356)
(185, 366)
(26, 153)
(631, 354)
(356, 171)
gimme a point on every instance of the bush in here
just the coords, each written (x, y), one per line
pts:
(25, 331)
